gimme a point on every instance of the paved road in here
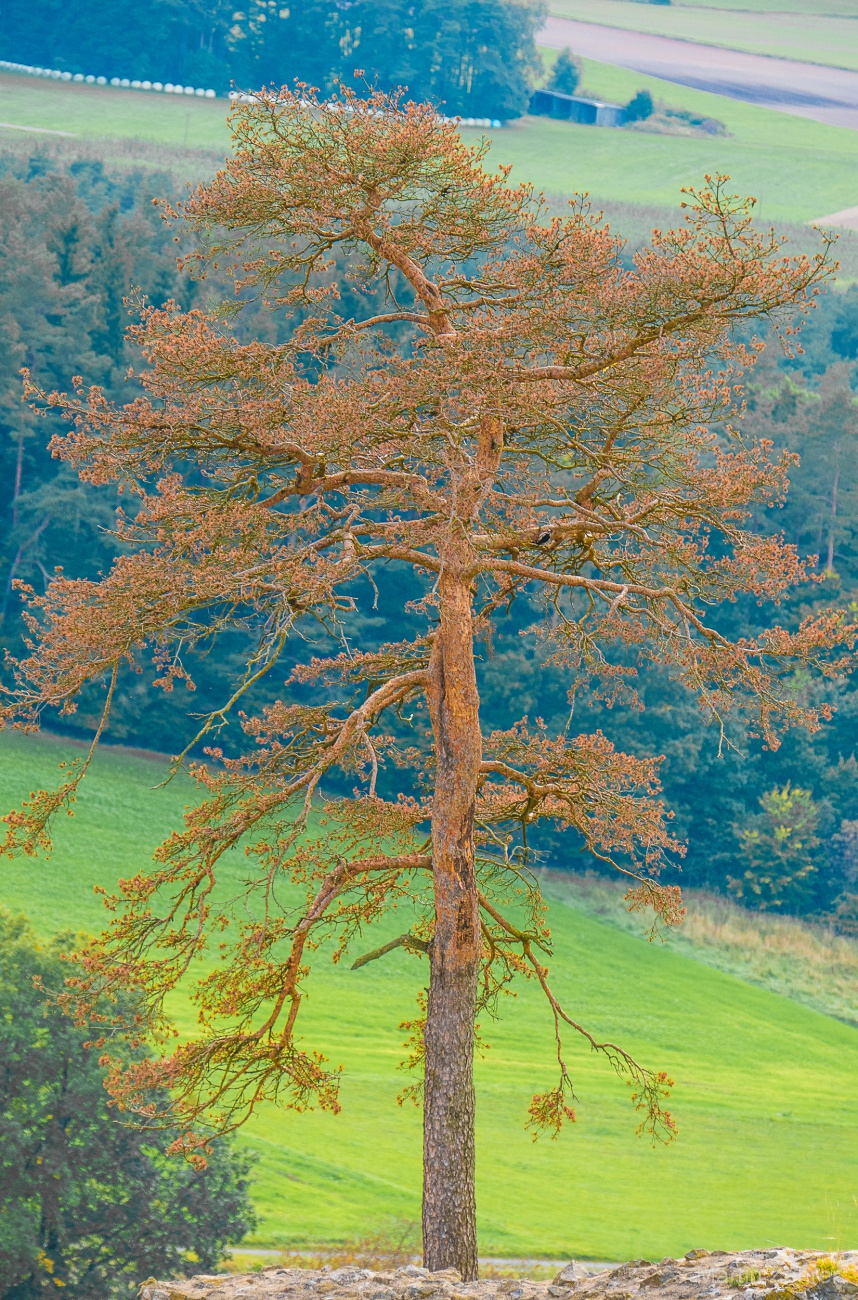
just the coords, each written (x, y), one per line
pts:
(806, 89)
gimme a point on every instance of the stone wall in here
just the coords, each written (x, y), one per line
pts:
(782, 1274)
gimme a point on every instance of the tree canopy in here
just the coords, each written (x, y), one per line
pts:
(470, 57)
(526, 416)
(566, 73)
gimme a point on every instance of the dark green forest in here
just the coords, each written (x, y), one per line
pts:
(776, 829)
(471, 57)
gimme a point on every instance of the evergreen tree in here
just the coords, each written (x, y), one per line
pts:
(566, 73)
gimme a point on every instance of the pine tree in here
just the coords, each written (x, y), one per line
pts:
(524, 415)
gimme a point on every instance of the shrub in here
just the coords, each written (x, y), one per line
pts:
(711, 125)
(639, 107)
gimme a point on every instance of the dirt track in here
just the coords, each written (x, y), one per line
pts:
(806, 89)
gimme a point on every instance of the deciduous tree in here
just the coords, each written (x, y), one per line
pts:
(526, 414)
(566, 73)
(87, 1203)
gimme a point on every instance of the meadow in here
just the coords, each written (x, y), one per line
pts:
(765, 1098)
(798, 169)
(826, 8)
(823, 32)
(87, 112)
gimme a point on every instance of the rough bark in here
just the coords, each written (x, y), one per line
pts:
(449, 1213)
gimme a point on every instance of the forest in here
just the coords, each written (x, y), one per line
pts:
(471, 57)
(777, 829)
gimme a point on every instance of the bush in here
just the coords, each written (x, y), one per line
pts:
(710, 125)
(88, 1205)
(639, 107)
(566, 73)
(780, 849)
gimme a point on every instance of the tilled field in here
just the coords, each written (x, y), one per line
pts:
(717, 1275)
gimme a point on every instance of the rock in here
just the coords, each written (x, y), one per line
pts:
(834, 1287)
(570, 1276)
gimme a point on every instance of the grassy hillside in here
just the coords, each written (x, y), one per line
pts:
(804, 960)
(765, 1095)
(100, 111)
(815, 33)
(799, 169)
(831, 8)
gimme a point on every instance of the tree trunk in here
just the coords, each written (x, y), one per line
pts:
(829, 568)
(449, 1211)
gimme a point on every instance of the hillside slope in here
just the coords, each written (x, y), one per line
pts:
(798, 168)
(765, 1094)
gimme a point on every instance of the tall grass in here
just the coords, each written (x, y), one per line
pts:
(799, 959)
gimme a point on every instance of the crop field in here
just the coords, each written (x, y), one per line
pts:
(765, 1096)
(825, 8)
(825, 34)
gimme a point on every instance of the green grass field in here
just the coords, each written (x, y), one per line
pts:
(810, 33)
(829, 8)
(797, 168)
(94, 112)
(765, 1088)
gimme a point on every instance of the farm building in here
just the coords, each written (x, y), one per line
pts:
(574, 108)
